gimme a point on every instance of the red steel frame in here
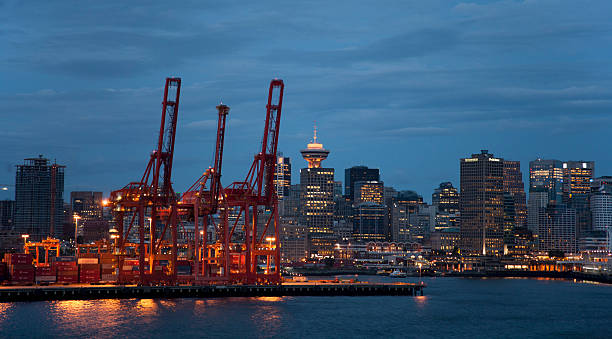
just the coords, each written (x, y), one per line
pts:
(155, 198)
(230, 261)
(249, 198)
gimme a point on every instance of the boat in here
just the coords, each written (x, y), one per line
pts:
(398, 274)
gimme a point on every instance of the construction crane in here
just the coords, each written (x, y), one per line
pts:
(152, 197)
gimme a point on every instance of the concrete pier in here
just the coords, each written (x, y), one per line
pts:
(117, 292)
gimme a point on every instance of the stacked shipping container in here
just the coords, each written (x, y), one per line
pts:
(20, 268)
(67, 270)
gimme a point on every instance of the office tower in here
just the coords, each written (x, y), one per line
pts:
(358, 173)
(7, 214)
(538, 200)
(577, 177)
(39, 191)
(369, 222)
(282, 176)
(403, 214)
(87, 204)
(294, 240)
(481, 204)
(289, 206)
(446, 199)
(557, 229)
(509, 217)
(337, 189)
(513, 184)
(317, 200)
(425, 223)
(549, 175)
(390, 195)
(369, 191)
(601, 203)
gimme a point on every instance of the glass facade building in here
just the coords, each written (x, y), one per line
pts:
(38, 205)
(481, 204)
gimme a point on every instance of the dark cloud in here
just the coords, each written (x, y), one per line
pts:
(406, 86)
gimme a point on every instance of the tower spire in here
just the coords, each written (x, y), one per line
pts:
(315, 133)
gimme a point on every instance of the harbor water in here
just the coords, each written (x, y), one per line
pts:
(451, 307)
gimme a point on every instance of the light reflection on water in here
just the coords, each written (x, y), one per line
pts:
(5, 309)
(267, 316)
(76, 315)
(446, 309)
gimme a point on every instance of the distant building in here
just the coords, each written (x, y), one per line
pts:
(577, 177)
(601, 203)
(557, 229)
(282, 176)
(94, 230)
(513, 184)
(446, 200)
(446, 240)
(404, 213)
(294, 240)
(369, 222)
(358, 173)
(317, 200)
(39, 191)
(549, 175)
(369, 191)
(7, 214)
(538, 200)
(481, 204)
(88, 206)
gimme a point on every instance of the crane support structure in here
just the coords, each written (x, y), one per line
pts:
(152, 199)
(253, 202)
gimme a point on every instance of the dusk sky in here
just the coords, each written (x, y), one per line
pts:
(409, 87)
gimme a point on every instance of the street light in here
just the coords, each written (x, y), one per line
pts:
(114, 235)
(25, 241)
(76, 228)
(270, 240)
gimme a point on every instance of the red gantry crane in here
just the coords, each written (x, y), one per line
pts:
(254, 199)
(200, 201)
(152, 198)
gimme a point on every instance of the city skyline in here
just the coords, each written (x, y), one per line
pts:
(452, 78)
(9, 183)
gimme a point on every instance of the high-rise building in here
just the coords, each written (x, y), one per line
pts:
(358, 173)
(7, 214)
(538, 200)
(481, 204)
(547, 174)
(369, 191)
(404, 214)
(577, 177)
(317, 200)
(446, 198)
(39, 191)
(557, 229)
(282, 176)
(337, 189)
(601, 203)
(513, 184)
(369, 222)
(87, 204)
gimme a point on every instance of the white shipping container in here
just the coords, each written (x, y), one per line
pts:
(45, 278)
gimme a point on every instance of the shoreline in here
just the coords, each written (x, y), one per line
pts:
(598, 278)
